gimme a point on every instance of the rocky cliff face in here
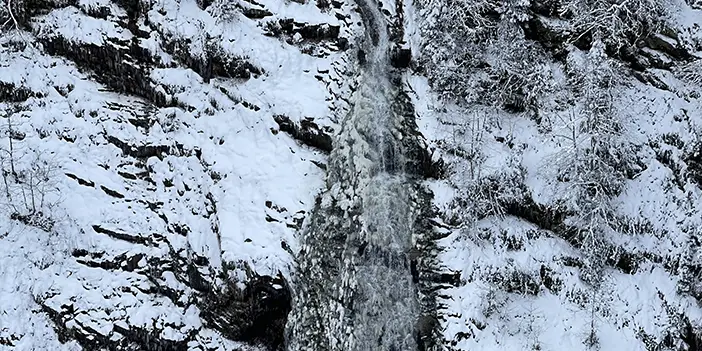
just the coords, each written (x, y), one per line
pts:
(181, 146)
(368, 175)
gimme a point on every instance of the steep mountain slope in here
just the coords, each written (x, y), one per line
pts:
(351, 175)
(165, 210)
(571, 134)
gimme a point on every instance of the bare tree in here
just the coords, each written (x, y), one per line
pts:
(28, 178)
(592, 164)
(466, 18)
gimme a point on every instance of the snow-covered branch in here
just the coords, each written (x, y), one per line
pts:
(618, 23)
(8, 16)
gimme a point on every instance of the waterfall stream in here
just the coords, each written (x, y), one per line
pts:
(355, 286)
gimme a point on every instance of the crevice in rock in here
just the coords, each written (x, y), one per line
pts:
(80, 181)
(136, 239)
(111, 192)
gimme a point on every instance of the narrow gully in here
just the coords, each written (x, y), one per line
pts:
(355, 286)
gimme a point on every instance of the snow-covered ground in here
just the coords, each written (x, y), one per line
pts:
(551, 308)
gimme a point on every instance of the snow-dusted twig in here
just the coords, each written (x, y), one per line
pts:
(13, 19)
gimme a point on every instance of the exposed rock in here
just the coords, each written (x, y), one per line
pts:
(652, 78)
(546, 218)
(80, 181)
(668, 45)
(308, 31)
(214, 63)
(149, 275)
(401, 57)
(257, 313)
(111, 192)
(255, 13)
(694, 164)
(12, 93)
(313, 38)
(121, 66)
(420, 161)
(139, 151)
(137, 239)
(307, 132)
(131, 337)
(551, 33)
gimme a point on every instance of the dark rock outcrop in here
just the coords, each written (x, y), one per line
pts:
(401, 57)
(316, 32)
(12, 93)
(419, 159)
(213, 62)
(139, 151)
(134, 338)
(121, 66)
(307, 132)
(152, 257)
(694, 164)
(256, 314)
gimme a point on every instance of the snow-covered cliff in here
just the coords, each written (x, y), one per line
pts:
(350, 175)
(171, 187)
